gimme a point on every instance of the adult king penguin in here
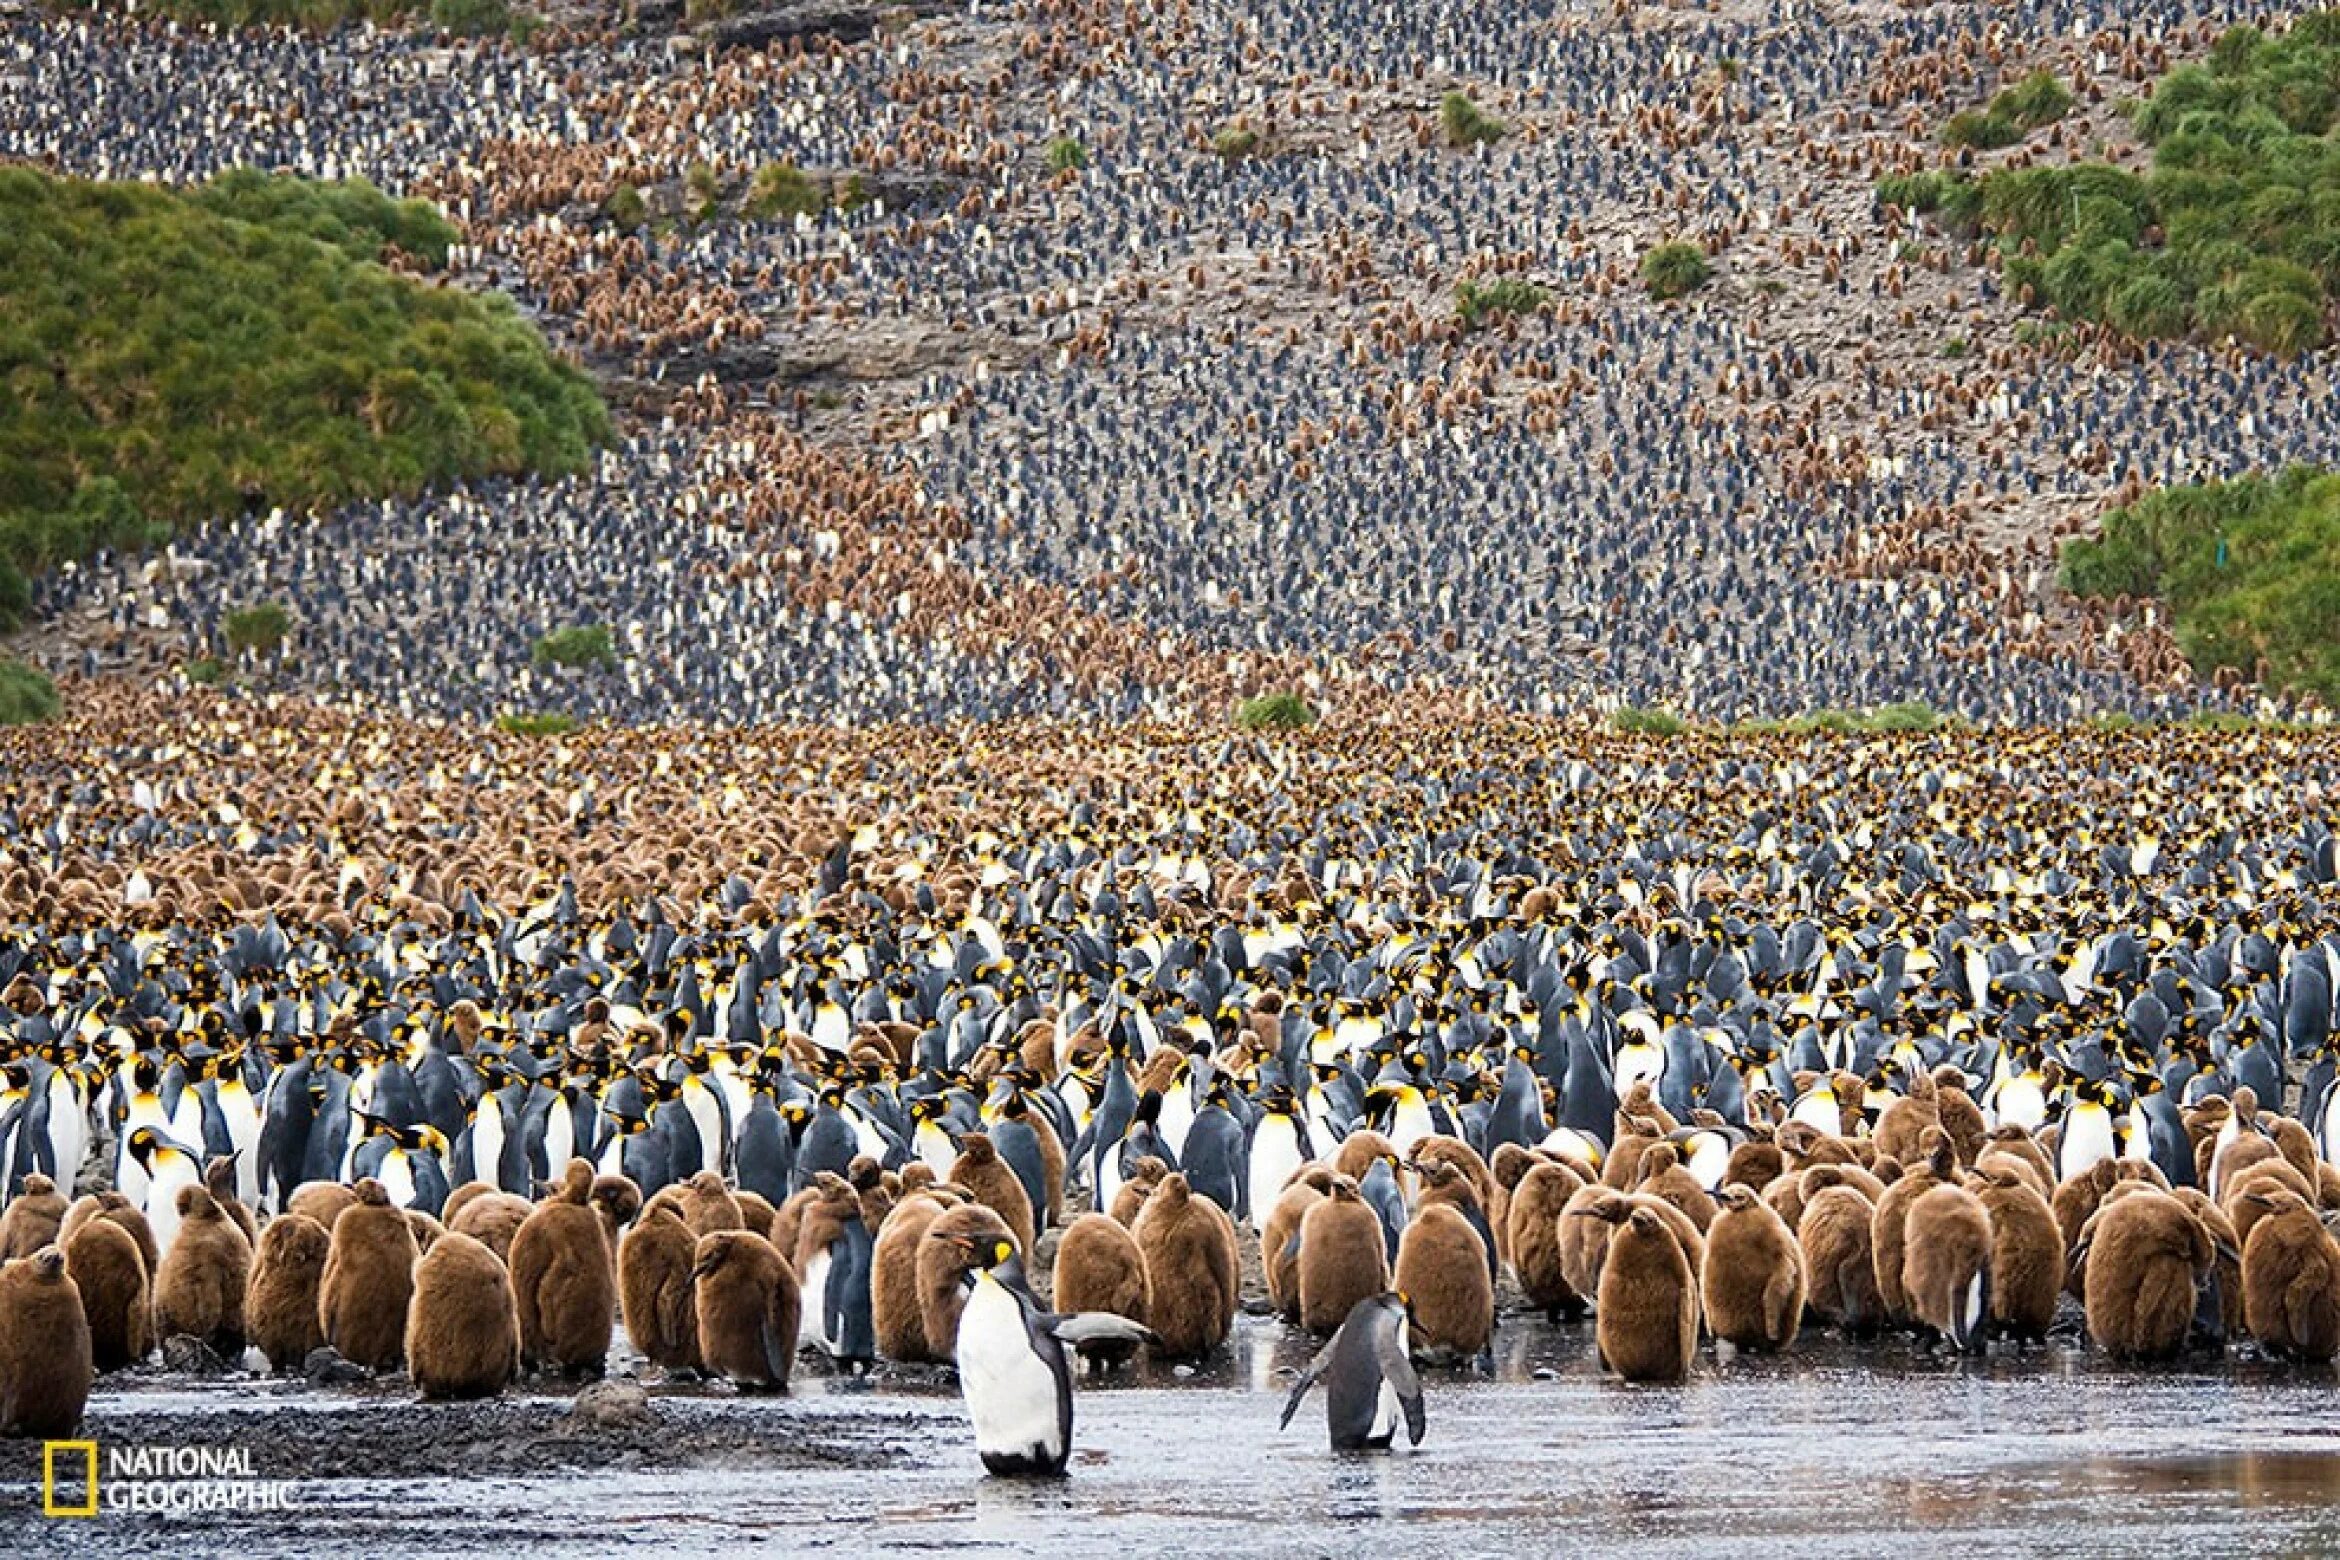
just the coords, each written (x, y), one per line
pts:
(1369, 1378)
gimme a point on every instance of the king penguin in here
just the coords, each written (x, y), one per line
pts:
(1369, 1378)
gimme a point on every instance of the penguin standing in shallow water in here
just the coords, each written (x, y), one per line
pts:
(1370, 1384)
(1012, 1369)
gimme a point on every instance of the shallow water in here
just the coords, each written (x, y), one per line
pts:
(1858, 1451)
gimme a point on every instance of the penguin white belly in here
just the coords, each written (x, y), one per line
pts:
(1275, 1155)
(1409, 1125)
(1637, 1064)
(1176, 1120)
(487, 1144)
(162, 1201)
(243, 1128)
(397, 1178)
(1010, 1391)
(811, 1322)
(707, 1116)
(68, 1130)
(1819, 1109)
(2087, 1139)
(2328, 1131)
(2019, 1103)
(1388, 1413)
(560, 1138)
(936, 1150)
(1109, 1179)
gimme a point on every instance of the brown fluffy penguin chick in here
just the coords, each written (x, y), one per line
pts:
(2226, 1249)
(1279, 1239)
(2265, 1175)
(1439, 1149)
(1840, 1273)
(324, 1201)
(1903, 1125)
(1344, 1257)
(1534, 1238)
(427, 1230)
(461, 1198)
(1663, 1177)
(1646, 1314)
(756, 1215)
(1442, 1271)
(563, 1279)
(116, 1300)
(618, 1202)
(1358, 1150)
(1508, 1166)
(2291, 1278)
(2027, 1253)
(1753, 1285)
(492, 1219)
(984, 1176)
(654, 1287)
(45, 1363)
(942, 1261)
(200, 1291)
(115, 1209)
(1891, 1218)
(747, 1310)
(1188, 1244)
(219, 1178)
(462, 1329)
(1755, 1164)
(2144, 1257)
(1946, 1268)
(280, 1307)
(1960, 1116)
(368, 1280)
(1139, 1185)
(708, 1205)
(1100, 1268)
(33, 1220)
(893, 1279)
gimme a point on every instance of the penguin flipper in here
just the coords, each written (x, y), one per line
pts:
(776, 1350)
(1097, 1327)
(1301, 1386)
(1397, 1368)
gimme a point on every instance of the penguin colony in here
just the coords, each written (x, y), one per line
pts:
(1685, 1051)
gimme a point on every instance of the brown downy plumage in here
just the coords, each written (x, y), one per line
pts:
(1344, 1257)
(1440, 1149)
(1358, 1150)
(1755, 1164)
(2291, 1277)
(2144, 1255)
(45, 1361)
(324, 1201)
(1192, 1285)
(219, 1178)
(492, 1219)
(1839, 1270)
(1753, 1285)
(756, 1215)
(1508, 1167)
(984, 1176)
(118, 1210)
(1100, 1268)
(33, 1220)
(654, 1287)
(1139, 1185)
(462, 1327)
(280, 1306)
(1902, 1127)
(1946, 1268)
(1537, 1203)
(617, 1202)
(942, 1261)
(1663, 1177)
(1646, 1315)
(2226, 1270)
(461, 1198)
(368, 1280)
(200, 1291)
(564, 1280)
(2021, 1145)
(1937, 1164)
(747, 1310)
(709, 1206)
(2027, 1253)
(1279, 1241)
(116, 1299)
(1442, 1271)
(2261, 1175)
(893, 1277)
(1960, 1116)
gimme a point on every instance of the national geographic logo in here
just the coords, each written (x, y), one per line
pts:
(165, 1481)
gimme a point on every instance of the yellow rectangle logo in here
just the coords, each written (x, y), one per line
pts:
(89, 1482)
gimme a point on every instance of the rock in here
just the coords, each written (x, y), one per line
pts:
(848, 21)
(192, 1356)
(325, 1368)
(612, 1405)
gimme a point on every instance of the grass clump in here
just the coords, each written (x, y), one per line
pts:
(260, 628)
(171, 354)
(577, 647)
(1066, 155)
(1275, 712)
(26, 694)
(2234, 232)
(547, 723)
(2250, 570)
(1465, 123)
(1483, 303)
(1647, 722)
(2038, 100)
(1235, 142)
(1673, 270)
(625, 208)
(205, 671)
(784, 190)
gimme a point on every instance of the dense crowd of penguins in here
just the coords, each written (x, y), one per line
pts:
(1223, 406)
(438, 1053)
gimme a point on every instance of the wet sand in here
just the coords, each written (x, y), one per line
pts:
(1858, 1451)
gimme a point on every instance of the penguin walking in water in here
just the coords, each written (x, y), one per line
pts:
(1012, 1367)
(1370, 1384)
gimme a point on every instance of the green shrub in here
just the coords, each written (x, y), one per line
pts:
(545, 724)
(1467, 124)
(1983, 132)
(205, 671)
(1673, 270)
(1951, 198)
(1235, 142)
(2250, 570)
(471, 18)
(853, 194)
(625, 208)
(1901, 717)
(1275, 712)
(234, 343)
(585, 645)
(26, 694)
(706, 190)
(1066, 153)
(260, 627)
(2113, 721)
(2038, 100)
(783, 190)
(1479, 304)
(1650, 722)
